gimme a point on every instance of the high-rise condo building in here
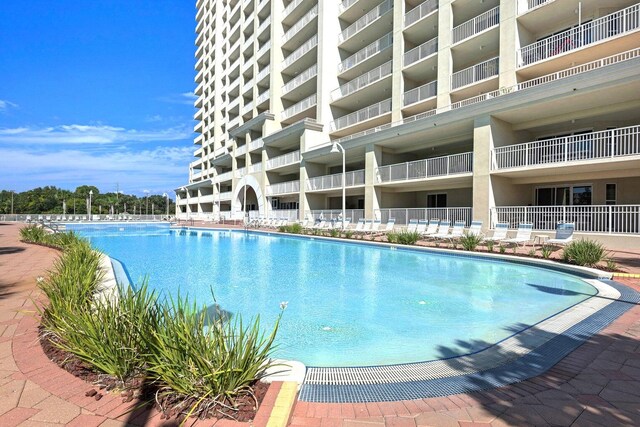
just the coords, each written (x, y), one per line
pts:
(496, 110)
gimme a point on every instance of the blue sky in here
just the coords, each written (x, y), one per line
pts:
(96, 92)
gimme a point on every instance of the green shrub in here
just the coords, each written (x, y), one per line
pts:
(403, 237)
(546, 251)
(348, 234)
(584, 252)
(32, 234)
(470, 242)
(294, 228)
(204, 358)
(611, 264)
(334, 232)
(490, 244)
(502, 249)
(109, 336)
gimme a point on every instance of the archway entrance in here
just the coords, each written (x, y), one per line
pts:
(255, 201)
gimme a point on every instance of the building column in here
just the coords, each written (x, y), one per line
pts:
(397, 80)
(508, 44)
(372, 194)
(445, 62)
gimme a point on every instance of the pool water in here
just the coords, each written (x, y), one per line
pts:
(348, 304)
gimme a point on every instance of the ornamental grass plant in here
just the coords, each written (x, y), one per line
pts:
(403, 237)
(584, 252)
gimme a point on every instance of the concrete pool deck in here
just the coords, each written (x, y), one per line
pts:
(598, 384)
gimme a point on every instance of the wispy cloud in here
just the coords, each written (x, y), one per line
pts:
(186, 98)
(159, 169)
(5, 105)
(89, 134)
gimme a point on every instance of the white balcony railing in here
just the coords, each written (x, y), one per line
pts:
(423, 51)
(305, 104)
(362, 115)
(427, 168)
(247, 108)
(225, 196)
(299, 52)
(255, 168)
(609, 26)
(240, 151)
(264, 48)
(527, 5)
(346, 4)
(284, 160)
(484, 21)
(619, 219)
(256, 144)
(291, 7)
(475, 73)
(306, 75)
(403, 215)
(366, 20)
(358, 83)
(420, 11)
(240, 172)
(247, 86)
(224, 177)
(421, 93)
(283, 188)
(264, 25)
(366, 52)
(613, 143)
(262, 97)
(263, 73)
(303, 22)
(327, 182)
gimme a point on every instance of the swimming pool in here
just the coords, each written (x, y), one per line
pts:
(349, 304)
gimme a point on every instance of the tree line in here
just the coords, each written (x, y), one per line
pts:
(54, 200)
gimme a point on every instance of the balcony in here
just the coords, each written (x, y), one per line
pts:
(610, 144)
(367, 52)
(608, 27)
(303, 23)
(225, 196)
(248, 86)
(618, 219)
(300, 107)
(300, 52)
(255, 168)
(198, 127)
(434, 167)
(241, 151)
(330, 182)
(419, 12)
(421, 52)
(256, 144)
(364, 80)
(363, 115)
(223, 177)
(301, 78)
(525, 6)
(480, 23)
(262, 74)
(263, 49)
(289, 187)
(365, 21)
(263, 97)
(240, 172)
(475, 74)
(288, 159)
(420, 94)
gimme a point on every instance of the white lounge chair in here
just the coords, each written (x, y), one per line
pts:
(412, 226)
(499, 233)
(523, 235)
(456, 231)
(389, 227)
(359, 225)
(564, 234)
(367, 226)
(432, 228)
(375, 226)
(443, 230)
(475, 229)
(422, 226)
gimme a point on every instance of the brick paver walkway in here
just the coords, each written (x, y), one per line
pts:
(596, 385)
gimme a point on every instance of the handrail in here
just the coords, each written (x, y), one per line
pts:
(484, 21)
(363, 114)
(453, 164)
(475, 73)
(308, 102)
(420, 11)
(366, 52)
(420, 93)
(296, 54)
(367, 19)
(425, 50)
(362, 81)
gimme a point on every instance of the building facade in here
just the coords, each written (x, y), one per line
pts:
(498, 110)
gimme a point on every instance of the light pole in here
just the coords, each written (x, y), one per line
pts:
(90, 195)
(335, 149)
(166, 198)
(146, 198)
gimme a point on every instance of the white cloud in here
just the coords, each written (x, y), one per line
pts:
(5, 105)
(186, 98)
(159, 170)
(88, 134)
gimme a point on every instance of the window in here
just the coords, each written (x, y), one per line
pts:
(563, 195)
(437, 200)
(611, 193)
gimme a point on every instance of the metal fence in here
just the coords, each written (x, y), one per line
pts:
(419, 169)
(403, 215)
(326, 182)
(475, 73)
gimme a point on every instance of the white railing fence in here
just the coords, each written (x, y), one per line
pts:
(365, 20)
(283, 188)
(288, 214)
(592, 218)
(597, 145)
(300, 106)
(333, 214)
(526, 5)
(421, 93)
(296, 54)
(366, 52)
(307, 74)
(482, 22)
(436, 166)
(366, 113)
(426, 49)
(403, 215)
(475, 73)
(308, 17)
(420, 11)
(326, 182)
(284, 160)
(359, 82)
(620, 22)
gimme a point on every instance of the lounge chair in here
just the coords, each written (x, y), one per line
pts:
(564, 234)
(432, 228)
(359, 225)
(389, 227)
(499, 233)
(422, 226)
(411, 227)
(475, 229)
(375, 226)
(367, 226)
(443, 230)
(523, 235)
(456, 232)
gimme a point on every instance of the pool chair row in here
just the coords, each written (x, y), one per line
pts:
(436, 229)
(564, 234)
(268, 222)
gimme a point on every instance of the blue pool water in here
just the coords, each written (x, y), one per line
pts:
(348, 304)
